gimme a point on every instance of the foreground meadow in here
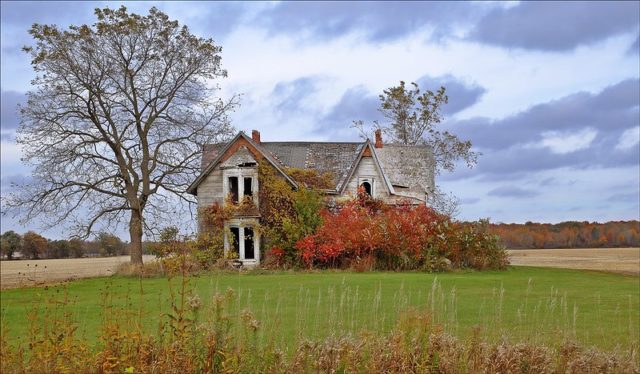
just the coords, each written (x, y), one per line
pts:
(530, 318)
(521, 303)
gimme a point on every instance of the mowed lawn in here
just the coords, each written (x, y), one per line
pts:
(521, 303)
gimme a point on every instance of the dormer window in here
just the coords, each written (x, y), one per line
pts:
(367, 184)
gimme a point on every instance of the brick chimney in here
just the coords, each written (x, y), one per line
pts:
(255, 136)
(378, 138)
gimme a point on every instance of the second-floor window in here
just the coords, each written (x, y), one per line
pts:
(239, 188)
(233, 189)
(248, 187)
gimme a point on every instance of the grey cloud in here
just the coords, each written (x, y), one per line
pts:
(380, 21)
(511, 191)
(548, 181)
(10, 117)
(290, 95)
(28, 12)
(357, 103)
(462, 95)
(635, 47)
(17, 18)
(610, 112)
(555, 25)
(217, 18)
(631, 197)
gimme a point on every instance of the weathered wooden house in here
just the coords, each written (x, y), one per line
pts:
(389, 172)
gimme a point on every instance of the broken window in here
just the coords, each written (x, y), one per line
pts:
(248, 187)
(235, 237)
(367, 187)
(249, 253)
(233, 189)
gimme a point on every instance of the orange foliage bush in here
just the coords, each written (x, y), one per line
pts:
(398, 237)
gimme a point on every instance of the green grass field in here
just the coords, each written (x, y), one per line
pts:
(522, 303)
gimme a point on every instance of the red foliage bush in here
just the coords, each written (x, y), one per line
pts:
(398, 237)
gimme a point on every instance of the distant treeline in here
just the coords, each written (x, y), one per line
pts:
(32, 245)
(568, 234)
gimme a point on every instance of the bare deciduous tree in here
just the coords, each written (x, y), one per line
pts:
(116, 121)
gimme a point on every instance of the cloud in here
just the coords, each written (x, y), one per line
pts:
(291, 96)
(379, 21)
(556, 26)
(624, 197)
(629, 139)
(613, 110)
(511, 191)
(634, 49)
(567, 142)
(357, 103)
(10, 118)
(462, 95)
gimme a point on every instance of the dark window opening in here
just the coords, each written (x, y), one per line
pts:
(235, 237)
(249, 253)
(248, 187)
(233, 189)
(367, 187)
(247, 164)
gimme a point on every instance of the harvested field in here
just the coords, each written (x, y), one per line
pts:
(23, 273)
(617, 260)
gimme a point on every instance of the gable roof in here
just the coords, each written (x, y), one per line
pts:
(222, 150)
(403, 166)
(352, 169)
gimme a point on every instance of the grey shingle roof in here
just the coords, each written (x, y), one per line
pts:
(404, 166)
(334, 158)
(408, 166)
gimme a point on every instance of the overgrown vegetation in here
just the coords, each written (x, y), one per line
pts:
(367, 234)
(300, 228)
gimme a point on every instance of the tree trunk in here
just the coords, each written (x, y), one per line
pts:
(135, 231)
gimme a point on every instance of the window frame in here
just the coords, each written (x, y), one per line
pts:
(242, 225)
(241, 173)
(371, 181)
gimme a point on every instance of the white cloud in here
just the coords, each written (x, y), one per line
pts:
(629, 138)
(564, 142)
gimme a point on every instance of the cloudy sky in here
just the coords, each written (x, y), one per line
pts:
(549, 92)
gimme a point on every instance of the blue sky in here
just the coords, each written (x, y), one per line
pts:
(549, 92)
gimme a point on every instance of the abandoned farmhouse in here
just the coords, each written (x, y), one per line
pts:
(229, 175)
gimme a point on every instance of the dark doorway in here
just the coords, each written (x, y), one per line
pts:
(235, 237)
(249, 252)
(367, 187)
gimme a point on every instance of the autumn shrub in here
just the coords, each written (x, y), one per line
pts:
(366, 232)
(288, 214)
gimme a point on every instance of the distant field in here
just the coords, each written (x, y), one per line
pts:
(24, 273)
(618, 260)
